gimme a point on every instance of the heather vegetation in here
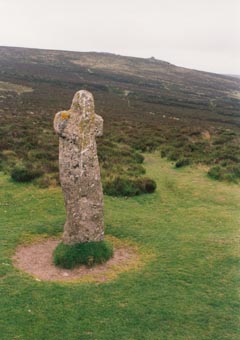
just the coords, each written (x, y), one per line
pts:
(189, 117)
(168, 131)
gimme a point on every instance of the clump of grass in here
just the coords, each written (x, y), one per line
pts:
(89, 253)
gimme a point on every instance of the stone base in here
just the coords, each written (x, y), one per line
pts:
(36, 260)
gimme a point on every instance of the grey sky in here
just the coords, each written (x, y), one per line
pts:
(199, 34)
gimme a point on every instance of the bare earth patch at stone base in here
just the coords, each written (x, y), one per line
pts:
(36, 259)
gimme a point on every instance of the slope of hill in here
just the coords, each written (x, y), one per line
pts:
(145, 103)
(162, 85)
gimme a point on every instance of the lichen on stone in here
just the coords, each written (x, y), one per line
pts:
(80, 171)
(65, 115)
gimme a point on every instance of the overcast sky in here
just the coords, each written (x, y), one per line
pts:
(199, 34)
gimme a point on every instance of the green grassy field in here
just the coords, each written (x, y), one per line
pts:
(188, 290)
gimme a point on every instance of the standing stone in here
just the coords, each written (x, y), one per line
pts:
(79, 169)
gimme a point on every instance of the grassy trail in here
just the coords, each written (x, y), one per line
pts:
(189, 290)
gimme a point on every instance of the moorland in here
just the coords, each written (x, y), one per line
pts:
(166, 128)
(147, 104)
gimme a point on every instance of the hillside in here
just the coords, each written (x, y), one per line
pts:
(146, 103)
(140, 85)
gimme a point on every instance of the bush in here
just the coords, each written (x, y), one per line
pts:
(182, 162)
(173, 155)
(138, 157)
(221, 140)
(8, 160)
(229, 177)
(135, 170)
(122, 186)
(89, 253)
(215, 172)
(227, 157)
(21, 173)
(232, 173)
(147, 185)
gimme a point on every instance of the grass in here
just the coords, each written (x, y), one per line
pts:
(189, 289)
(90, 254)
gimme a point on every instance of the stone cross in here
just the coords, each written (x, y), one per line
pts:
(79, 169)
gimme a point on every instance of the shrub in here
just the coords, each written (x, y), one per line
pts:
(237, 171)
(163, 153)
(182, 162)
(232, 173)
(47, 155)
(89, 253)
(8, 160)
(229, 177)
(173, 155)
(138, 157)
(143, 145)
(123, 186)
(215, 172)
(147, 185)
(221, 140)
(22, 173)
(227, 157)
(135, 170)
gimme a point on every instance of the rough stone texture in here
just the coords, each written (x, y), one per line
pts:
(79, 169)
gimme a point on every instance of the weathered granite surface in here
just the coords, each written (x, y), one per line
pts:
(79, 169)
